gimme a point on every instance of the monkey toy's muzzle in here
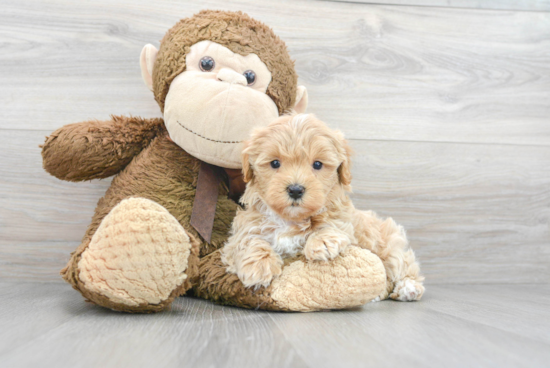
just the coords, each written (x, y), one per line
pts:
(210, 118)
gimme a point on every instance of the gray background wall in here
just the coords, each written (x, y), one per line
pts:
(446, 103)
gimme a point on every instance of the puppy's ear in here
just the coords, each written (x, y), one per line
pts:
(248, 174)
(344, 170)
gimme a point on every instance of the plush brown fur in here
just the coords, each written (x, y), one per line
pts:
(97, 149)
(239, 33)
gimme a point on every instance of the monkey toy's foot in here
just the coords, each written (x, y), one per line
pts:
(353, 278)
(138, 260)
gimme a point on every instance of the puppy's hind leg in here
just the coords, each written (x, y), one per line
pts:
(401, 266)
(388, 241)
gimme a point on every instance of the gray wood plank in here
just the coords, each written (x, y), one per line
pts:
(525, 5)
(194, 333)
(474, 213)
(50, 325)
(379, 72)
(391, 334)
(493, 306)
(28, 310)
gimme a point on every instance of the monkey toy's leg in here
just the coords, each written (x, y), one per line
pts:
(353, 278)
(388, 241)
(138, 260)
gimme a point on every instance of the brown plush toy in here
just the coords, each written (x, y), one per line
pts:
(156, 233)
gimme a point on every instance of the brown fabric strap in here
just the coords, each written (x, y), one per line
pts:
(206, 197)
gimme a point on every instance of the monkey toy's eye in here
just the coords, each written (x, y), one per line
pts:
(275, 164)
(317, 165)
(250, 77)
(207, 64)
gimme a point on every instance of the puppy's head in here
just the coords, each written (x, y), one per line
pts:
(296, 165)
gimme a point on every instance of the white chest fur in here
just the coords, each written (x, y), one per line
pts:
(289, 246)
(286, 238)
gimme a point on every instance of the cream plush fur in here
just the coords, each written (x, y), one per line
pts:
(354, 278)
(138, 254)
(321, 223)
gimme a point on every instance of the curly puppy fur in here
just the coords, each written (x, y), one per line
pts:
(321, 221)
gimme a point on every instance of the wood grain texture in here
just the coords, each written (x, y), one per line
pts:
(379, 72)
(435, 332)
(47, 324)
(525, 5)
(194, 333)
(474, 213)
(37, 206)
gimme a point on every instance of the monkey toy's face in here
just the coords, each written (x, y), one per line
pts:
(212, 106)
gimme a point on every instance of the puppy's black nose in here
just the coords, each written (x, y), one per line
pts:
(295, 191)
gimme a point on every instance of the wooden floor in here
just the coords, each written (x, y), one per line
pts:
(49, 325)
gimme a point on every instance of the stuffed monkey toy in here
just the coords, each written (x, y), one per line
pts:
(156, 233)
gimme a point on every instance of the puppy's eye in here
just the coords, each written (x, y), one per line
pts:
(275, 164)
(207, 64)
(250, 77)
(317, 165)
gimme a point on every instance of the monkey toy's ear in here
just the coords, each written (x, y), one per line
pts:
(301, 100)
(146, 62)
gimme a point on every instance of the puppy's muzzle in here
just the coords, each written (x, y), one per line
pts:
(295, 191)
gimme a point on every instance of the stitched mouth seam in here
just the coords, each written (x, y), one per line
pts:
(203, 137)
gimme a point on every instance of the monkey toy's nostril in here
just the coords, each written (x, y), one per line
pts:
(295, 191)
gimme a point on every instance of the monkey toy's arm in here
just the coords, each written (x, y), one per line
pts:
(97, 149)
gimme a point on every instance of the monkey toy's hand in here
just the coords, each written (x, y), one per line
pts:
(97, 149)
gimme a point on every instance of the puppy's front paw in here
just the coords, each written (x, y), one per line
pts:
(407, 290)
(259, 267)
(325, 245)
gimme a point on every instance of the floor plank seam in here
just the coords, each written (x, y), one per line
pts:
(298, 353)
(488, 326)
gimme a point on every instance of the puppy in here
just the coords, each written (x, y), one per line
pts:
(296, 202)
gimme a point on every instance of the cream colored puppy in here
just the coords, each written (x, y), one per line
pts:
(296, 202)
